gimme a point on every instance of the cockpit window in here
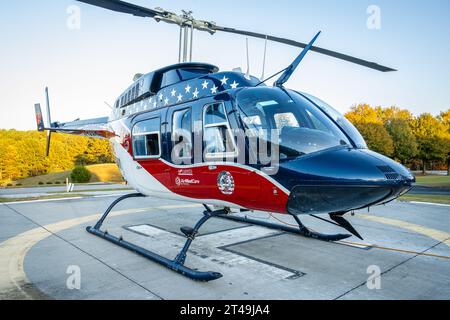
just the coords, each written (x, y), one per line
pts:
(342, 121)
(301, 127)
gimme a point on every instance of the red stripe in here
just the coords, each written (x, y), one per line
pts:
(251, 190)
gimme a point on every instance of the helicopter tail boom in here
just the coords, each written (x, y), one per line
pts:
(94, 128)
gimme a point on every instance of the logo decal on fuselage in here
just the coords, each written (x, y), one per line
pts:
(186, 182)
(185, 172)
(225, 182)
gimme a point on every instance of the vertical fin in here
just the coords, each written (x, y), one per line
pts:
(39, 120)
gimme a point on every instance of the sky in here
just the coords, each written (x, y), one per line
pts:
(87, 66)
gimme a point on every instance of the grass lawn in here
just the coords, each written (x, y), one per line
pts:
(444, 199)
(434, 181)
(100, 173)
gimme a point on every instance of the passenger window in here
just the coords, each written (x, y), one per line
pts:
(217, 138)
(146, 139)
(182, 135)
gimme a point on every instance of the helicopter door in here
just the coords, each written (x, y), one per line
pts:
(184, 179)
(224, 177)
(147, 150)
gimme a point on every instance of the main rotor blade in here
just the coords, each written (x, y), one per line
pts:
(124, 7)
(334, 54)
(166, 16)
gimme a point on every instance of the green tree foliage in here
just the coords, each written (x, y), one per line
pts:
(22, 153)
(80, 174)
(445, 118)
(369, 123)
(433, 138)
(377, 138)
(425, 138)
(405, 144)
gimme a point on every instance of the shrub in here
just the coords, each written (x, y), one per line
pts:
(9, 185)
(40, 183)
(57, 182)
(49, 182)
(80, 174)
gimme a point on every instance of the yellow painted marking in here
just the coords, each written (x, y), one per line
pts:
(432, 233)
(441, 236)
(14, 250)
(393, 249)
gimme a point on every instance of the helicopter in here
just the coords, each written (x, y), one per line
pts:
(228, 141)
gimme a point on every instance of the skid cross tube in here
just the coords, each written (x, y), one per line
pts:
(301, 230)
(178, 263)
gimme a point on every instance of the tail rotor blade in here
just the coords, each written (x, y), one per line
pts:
(49, 137)
(49, 120)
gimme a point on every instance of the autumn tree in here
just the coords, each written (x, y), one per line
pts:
(433, 139)
(405, 144)
(397, 122)
(368, 122)
(445, 118)
(22, 153)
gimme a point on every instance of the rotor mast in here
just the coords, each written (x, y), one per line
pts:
(187, 24)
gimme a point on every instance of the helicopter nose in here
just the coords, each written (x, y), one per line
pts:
(344, 180)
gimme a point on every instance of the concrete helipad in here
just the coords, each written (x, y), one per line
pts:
(45, 253)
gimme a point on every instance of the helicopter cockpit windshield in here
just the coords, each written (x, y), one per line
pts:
(301, 127)
(345, 125)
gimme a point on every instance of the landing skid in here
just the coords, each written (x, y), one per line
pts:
(301, 230)
(177, 264)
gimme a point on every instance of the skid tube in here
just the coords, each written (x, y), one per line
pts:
(176, 264)
(301, 230)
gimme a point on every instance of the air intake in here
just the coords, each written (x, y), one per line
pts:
(389, 173)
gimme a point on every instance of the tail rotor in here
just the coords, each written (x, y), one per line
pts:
(40, 121)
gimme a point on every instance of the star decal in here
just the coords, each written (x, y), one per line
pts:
(188, 89)
(214, 89)
(234, 85)
(195, 93)
(173, 93)
(166, 101)
(224, 80)
(179, 98)
(154, 104)
(205, 85)
(161, 96)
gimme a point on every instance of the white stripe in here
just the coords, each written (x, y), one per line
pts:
(42, 200)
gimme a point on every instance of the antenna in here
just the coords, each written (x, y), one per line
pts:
(264, 59)
(247, 75)
(108, 104)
